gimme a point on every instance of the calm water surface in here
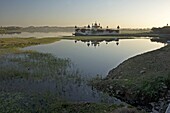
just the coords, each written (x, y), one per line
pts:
(92, 59)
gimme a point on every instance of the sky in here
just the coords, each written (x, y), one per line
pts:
(125, 13)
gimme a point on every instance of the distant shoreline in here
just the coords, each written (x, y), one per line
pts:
(46, 29)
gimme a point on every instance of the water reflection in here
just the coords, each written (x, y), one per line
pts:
(96, 43)
(90, 61)
(45, 75)
(98, 57)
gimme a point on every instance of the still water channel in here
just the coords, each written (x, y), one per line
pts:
(99, 57)
(91, 59)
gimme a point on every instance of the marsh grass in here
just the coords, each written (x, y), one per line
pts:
(24, 42)
(48, 103)
(36, 65)
(39, 82)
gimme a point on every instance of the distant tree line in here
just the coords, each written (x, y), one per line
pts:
(11, 28)
(161, 30)
(36, 29)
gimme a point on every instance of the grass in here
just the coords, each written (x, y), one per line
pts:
(19, 69)
(48, 103)
(11, 45)
(24, 42)
(2, 31)
(39, 67)
(31, 64)
(139, 80)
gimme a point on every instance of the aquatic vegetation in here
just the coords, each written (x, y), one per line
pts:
(32, 65)
(39, 82)
(32, 72)
(48, 103)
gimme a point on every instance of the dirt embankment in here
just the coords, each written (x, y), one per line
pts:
(142, 81)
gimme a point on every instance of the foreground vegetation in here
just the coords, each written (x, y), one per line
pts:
(143, 80)
(25, 74)
(48, 103)
(10, 45)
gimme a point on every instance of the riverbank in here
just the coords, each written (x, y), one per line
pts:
(28, 80)
(142, 81)
(11, 45)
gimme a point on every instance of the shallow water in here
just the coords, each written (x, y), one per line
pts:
(93, 58)
(70, 92)
(90, 58)
(63, 81)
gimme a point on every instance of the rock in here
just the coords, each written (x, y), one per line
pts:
(164, 86)
(142, 71)
(122, 86)
(125, 79)
(119, 77)
(111, 87)
(157, 108)
(152, 104)
(168, 109)
(154, 111)
(117, 92)
(144, 68)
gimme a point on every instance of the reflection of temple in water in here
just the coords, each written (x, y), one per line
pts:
(96, 43)
(117, 43)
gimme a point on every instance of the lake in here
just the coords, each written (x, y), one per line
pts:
(90, 59)
(100, 57)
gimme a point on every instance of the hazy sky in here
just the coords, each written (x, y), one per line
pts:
(126, 13)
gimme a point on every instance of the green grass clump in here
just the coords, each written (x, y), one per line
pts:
(48, 103)
(31, 65)
(24, 42)
(155, 88)
(139, 80)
